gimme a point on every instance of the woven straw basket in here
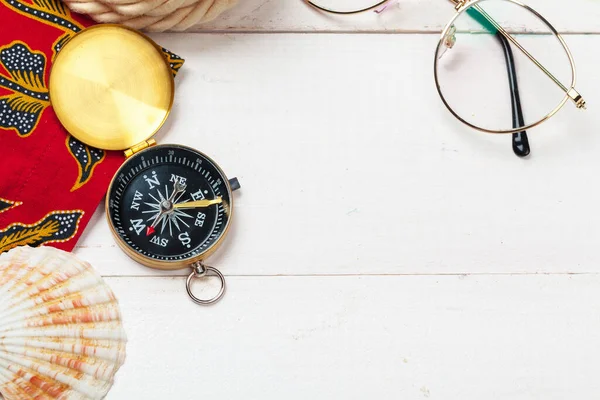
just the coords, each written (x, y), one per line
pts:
(152, 15)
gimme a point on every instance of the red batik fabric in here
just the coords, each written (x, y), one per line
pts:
(50, 183)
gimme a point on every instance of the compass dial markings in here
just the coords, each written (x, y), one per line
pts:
(204, 227)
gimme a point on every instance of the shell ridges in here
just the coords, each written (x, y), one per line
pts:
(61, 332)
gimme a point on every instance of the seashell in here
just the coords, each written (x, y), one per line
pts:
(61, 335)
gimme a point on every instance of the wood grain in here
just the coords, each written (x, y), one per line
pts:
(451, 338)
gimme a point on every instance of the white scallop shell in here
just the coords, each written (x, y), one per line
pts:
(61, 335)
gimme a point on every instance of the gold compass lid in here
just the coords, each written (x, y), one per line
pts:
(111, 87)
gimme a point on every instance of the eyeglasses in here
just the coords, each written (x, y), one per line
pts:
(474, 57)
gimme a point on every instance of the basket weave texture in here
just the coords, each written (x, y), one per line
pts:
(152, 15)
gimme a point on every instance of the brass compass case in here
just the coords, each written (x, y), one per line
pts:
(175, 264)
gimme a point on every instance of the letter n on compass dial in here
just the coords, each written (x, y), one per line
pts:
(169, 204)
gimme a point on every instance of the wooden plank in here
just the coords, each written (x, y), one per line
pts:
(452, 338)
(349, 163)
(582, 16)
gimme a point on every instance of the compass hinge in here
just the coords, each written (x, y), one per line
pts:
(139, 147)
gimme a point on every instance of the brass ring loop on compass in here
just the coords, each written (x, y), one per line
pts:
(199, 270)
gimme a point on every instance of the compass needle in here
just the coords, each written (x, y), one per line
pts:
(179, 197)
(199, 203)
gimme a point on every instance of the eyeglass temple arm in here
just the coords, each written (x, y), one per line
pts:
(520, 141)
(571, 92)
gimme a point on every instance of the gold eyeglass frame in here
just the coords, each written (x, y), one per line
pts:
(462, 6)
(570, 93)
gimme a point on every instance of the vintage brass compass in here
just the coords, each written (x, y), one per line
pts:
(168, 206)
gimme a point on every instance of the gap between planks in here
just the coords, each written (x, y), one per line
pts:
(369, 275)
(234, 31)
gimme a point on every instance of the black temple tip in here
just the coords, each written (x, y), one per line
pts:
(520, 144)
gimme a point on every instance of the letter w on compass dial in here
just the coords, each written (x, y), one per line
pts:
(170, 205)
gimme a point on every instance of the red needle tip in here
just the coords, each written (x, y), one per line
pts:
(149, 231)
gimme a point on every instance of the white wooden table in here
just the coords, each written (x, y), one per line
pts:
(381, 250)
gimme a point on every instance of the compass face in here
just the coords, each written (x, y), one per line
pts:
(169, 204)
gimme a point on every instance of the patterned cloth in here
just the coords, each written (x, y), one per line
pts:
(50, 183)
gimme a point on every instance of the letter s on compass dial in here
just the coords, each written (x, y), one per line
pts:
(170, 206)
